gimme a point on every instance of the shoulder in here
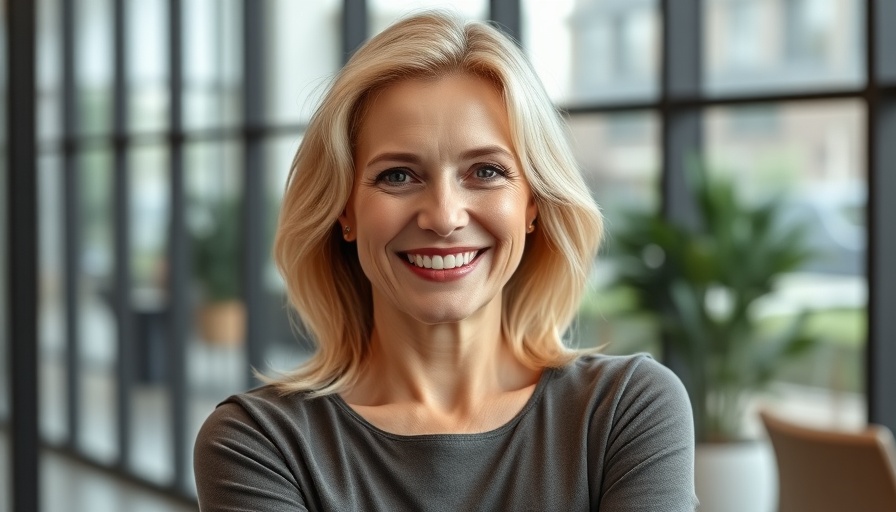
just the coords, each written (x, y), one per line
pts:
(262, 412)
(620, 388)
(640, 431)
(242, 457)
(620, 374)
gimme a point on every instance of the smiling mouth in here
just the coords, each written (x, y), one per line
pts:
(446, 262)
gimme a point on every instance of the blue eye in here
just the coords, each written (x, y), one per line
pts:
(489, 172)
(394, 176)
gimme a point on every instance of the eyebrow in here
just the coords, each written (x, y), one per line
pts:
(486, 151)
(396, 156)
(466, 155)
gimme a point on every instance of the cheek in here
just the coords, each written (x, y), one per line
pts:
(505, 213)
(379, 220)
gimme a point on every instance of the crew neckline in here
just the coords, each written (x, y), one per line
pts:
(546, 375)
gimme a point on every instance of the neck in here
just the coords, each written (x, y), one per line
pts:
(449, 367)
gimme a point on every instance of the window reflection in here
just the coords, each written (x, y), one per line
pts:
(214, 225)
(615, 50)
(97, 321)
(94, 57)
(811, 156)
(619, 157)
(212, 75)
(146, 40)
(547, 39)
(48, 69)
(302, 52)
(51, 301)
(216, 354)
(149, 217)
(384, 12)
(765, 45)
(287, 346)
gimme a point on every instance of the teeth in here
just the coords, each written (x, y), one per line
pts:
(442, 262)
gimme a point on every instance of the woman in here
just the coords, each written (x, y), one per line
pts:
(435, 238)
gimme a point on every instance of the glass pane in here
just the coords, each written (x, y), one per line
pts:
(216, 353)
(812, 157)
(548, 42)
(212, 85)
(619, 156)
(98, 325)
(303, 52)
(384, 12)
(286, 347)
(758, 46)
(49, 70)
(51, 301)
(594, 51)
(94, 57)
(147, 64)
(149, 218)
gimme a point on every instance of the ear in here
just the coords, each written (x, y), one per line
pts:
(531, 210)
(347, 225)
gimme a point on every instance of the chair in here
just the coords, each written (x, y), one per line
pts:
(828, 471)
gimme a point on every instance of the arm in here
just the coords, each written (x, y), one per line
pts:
(238, 468)
(649, 463)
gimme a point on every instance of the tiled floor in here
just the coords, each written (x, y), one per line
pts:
(72, 486)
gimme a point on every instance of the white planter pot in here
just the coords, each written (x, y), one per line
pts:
(736, 477)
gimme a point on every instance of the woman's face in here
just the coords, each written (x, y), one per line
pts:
(440, 207)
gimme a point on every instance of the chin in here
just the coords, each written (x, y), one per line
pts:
(458, 311)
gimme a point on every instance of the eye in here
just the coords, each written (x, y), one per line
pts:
(393, 177)
(490, 172)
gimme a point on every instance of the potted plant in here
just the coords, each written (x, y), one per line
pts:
(221, 314)
(702, 282)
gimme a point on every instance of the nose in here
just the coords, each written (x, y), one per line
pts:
(443, 209)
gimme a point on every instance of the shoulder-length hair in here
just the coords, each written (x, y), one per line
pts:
(324, 280)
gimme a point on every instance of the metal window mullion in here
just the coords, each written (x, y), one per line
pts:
(681, 135)
(354, 26)
(881, 349)
(72, 222)
(178, 306)
(507, 14)
(121, 191)
(881, 112)
(881, 15)
(21, 204)
(252, 213)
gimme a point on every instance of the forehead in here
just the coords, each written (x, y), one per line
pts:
(444, 106)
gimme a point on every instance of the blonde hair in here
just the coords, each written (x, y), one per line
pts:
(324, 280)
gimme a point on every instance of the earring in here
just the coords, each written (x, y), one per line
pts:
(531, 227)
(346, 231)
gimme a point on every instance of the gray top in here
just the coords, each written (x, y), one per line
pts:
(602, 433)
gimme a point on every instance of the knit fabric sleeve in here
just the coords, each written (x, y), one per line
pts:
(649, 458)
(238, 468)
